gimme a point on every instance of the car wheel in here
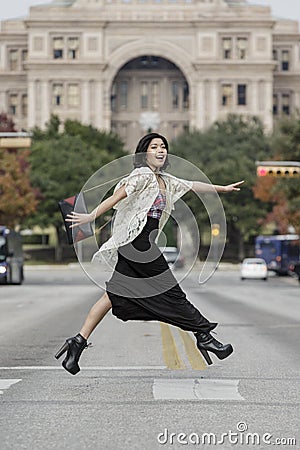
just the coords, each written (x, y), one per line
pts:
(242, 278)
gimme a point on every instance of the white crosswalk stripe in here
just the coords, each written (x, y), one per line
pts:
(7, 383)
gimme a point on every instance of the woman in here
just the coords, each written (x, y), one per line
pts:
(142, 286)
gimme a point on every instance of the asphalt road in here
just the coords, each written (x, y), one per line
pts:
(143, 385)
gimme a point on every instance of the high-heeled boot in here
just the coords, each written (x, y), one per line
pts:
(74, 346)
(207, 343)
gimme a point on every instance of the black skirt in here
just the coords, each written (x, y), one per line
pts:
(143, 287)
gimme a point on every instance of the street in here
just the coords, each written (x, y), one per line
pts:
(143, 385)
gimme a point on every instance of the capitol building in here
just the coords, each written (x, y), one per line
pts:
(135, 65)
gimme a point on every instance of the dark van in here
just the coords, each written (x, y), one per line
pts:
(11, 257)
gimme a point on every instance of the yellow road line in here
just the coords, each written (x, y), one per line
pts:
(170, 352)
(195, 358)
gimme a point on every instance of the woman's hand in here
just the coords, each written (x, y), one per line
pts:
(232, 187)
(78, 219)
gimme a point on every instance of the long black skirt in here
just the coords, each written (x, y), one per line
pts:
(143, 287)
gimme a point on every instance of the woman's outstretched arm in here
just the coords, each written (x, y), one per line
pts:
(108, 203)
(198, 186)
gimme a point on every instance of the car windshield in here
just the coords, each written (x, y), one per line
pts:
(2, 248)
(255, 262)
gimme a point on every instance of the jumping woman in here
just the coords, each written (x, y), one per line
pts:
(142, 286)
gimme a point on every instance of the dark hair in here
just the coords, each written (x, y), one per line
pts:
(142, 147)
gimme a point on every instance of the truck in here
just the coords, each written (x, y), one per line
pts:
(11, 256)
(279, 251)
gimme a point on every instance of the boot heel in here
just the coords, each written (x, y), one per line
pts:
(205, 356)
(62, 350)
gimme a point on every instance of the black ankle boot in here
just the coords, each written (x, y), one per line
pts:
(207, 343)
(74, 346)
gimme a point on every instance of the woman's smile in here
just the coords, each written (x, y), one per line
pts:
(156, 154)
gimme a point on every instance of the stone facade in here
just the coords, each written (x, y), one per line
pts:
(134, 65)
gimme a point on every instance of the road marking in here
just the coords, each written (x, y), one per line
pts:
(85, 368)
(5, 383)
(195, 389)
(170, 352)
(194, 356)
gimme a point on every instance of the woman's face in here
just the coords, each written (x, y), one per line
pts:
(156, 154)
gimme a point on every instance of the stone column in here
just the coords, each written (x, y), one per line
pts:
(3, 105)
(85, 103)
(45, 103)
(297, 100)
(99, 104)
(31, 104)
(214, 100)
(268, 110)
(253, 96)
(200, 105)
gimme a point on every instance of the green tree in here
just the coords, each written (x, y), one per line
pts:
(62, 162)
(286, 146)
(285, 193)
(226, 152)
(17, 196)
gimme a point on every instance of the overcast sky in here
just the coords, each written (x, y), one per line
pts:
(289, 9)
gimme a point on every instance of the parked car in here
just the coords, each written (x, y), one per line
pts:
(254, 268)
(173, 257)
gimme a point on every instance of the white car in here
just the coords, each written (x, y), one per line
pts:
(254, 268)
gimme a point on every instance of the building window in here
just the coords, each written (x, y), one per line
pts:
(58, 48)
(13, 60)
(155, 95)
(92, 44)
(13, 104)
(241, 47)
(285, 60)
(73, 95)
(275, 104)
(285, 100)
(227, 95)
(73, 48)
(38, 44)
(241, 94)
(24, 105)
(57, 94)
(275, 58)
(123, 94)
(175, 95)
(144, 95)
(227, 48)
(185, 95)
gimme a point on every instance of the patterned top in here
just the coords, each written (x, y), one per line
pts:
(142, 189)
(158, 206)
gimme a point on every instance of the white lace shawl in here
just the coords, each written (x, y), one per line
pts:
(142, 188)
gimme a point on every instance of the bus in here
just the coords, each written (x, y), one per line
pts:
(279, 251)
(11, 257)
